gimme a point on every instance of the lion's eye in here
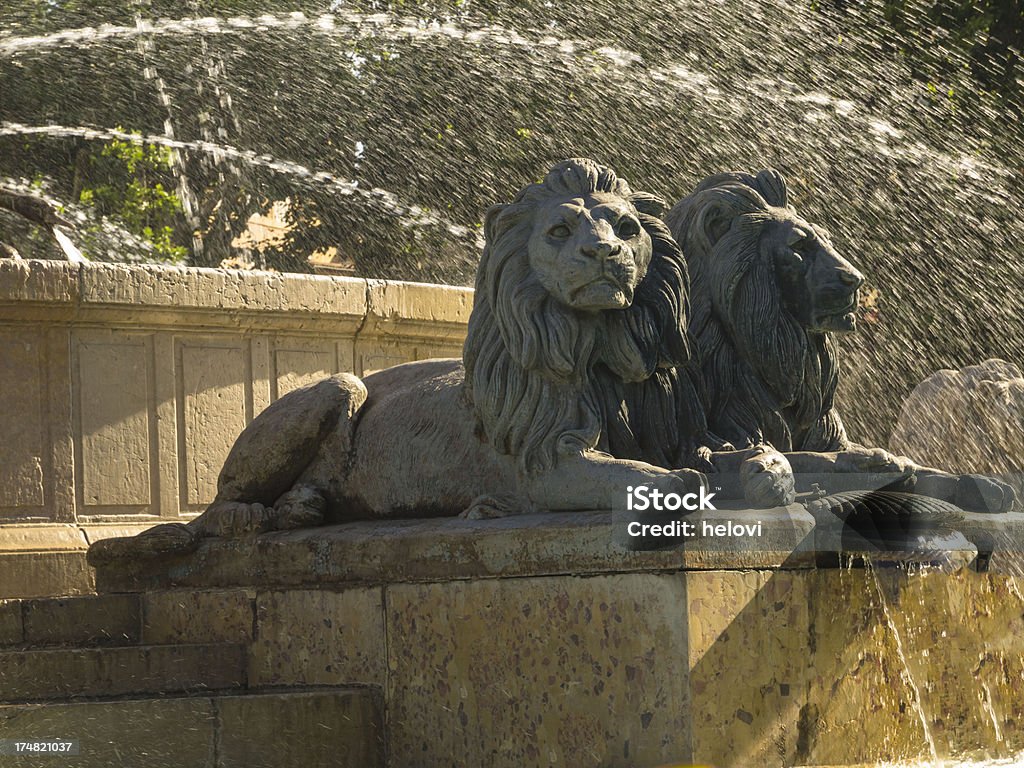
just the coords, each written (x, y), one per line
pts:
(627, 228)
(559, 231)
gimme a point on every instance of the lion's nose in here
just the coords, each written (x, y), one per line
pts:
(851, 278)
(600, 249)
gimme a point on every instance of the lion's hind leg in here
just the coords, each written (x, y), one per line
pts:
(274, 477)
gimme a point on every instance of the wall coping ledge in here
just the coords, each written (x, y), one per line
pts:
(85, 290)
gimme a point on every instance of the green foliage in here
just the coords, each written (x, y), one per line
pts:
(133, 192)
(943, 36)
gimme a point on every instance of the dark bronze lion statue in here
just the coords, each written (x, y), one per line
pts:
(768, 293)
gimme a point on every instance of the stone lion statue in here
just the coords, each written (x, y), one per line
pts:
(580, 290)
(971, 420)
(768, 293)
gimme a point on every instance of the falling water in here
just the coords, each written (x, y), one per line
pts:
(145, 48)
(70, 249)
(907, 674)
(410, 215)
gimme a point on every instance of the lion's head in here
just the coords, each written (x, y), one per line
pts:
(580, 288)
(768, 290)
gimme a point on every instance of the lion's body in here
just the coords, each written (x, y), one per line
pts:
(414, 411)
(771, 375)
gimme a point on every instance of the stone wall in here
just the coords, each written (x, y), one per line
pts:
(124, 386)
(539, 640)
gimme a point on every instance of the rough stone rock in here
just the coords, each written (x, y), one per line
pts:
(971, 420)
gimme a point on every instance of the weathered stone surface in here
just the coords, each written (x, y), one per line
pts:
(319, 637)
(342, 729)
(446, 548)
(34, 675)
(11, 626)
(104, 620)
(748, 664)
(115, 458)
(910, 666)
(160, 733)
(22, 421)
(528, 672)
(400, 314)
(44, 574)
(235, 292)
(73, 333)
(35, 282)
(41, 538)
(190, 616)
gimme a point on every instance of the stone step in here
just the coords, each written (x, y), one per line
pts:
(60, 673)
(340, 727)
(71, 621)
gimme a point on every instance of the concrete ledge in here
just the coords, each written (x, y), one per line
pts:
(443, 549)
(101, 291)
(44, 560)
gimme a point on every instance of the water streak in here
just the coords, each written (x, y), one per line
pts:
(69, 248)
(188, 201)
(410, 215)
(351, 25)
(907, 675)
(889, 140)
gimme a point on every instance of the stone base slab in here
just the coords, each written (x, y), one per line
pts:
(341, 728)
(545, 640)
(48, 560)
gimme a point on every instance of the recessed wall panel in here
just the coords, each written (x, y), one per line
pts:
(22, 436)
(215, 401)
(115, 404)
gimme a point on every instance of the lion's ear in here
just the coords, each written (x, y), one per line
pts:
(652, 205)
(714, 221)
(719, 207)
(772, 187)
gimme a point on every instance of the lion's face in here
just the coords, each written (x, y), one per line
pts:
(817, 285)
(589, 252)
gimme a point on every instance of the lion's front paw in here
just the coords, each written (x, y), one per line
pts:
(160, 541)
(767, 479)
(232, 518)
(979, 493)
(876, 461)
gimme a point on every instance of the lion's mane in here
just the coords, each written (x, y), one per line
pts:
(767, 377)
(545, 379)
